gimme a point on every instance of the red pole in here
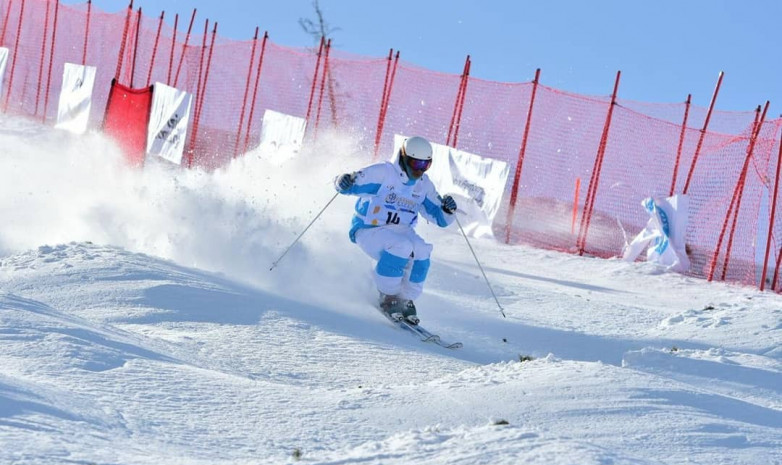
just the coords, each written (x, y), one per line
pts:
(86, 33)
(197, 110)
(703, 133)
(13, 65)
(388, 99)
(51, 60)
(322, 84)
(771, 225)
(681, 144)
(461, 103)
(246, 92)
(522, 151)
(184, 47)
(735, 203)
(154, 48)
(315, 79)
(173, 45)
(124, 40)
(751, 151)
(383, 102)
(5, 21)
(135, 46)
(43, 56)
(462, 84)
(255, 92)
(595, 180)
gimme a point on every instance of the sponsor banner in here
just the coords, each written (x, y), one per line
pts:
(663, 235)
(476, 183)
(3, 63)
(281, 135)
(168, 120)
(73, 111)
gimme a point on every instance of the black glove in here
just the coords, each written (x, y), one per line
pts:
(346, 181)
(449, 204)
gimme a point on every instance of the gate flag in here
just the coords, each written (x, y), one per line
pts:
(73, 111)
(476, 183)
(281, 135)
(664, 234)
(168, 120)
(3, 62)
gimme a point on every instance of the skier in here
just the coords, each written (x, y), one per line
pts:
(391, 195)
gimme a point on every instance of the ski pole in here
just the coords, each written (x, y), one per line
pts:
(305, 230)
(479, 266)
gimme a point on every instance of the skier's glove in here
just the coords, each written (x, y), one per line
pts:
(346, 181)
(449, 204)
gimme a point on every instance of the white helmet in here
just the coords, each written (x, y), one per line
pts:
(418, 148)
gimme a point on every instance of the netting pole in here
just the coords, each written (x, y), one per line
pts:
(255, 92)
(13, 65)
(462, 83)
(173, 46)
(5, 21)
(385, 105)
(322, 86)
(124, 41)
(184, 48)
(589, 202)
(43, 57)
(735, 202)
(750, 153)
(250, 68)
(201, 89)
(703, 133)
(154, 48)
(86, 33)
(135, 47)
(461, 103)
(51, 60)
(519, 164)
(681, 144)
(315, 79)
(771, 225)
(379, 127)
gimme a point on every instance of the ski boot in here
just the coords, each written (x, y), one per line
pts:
(409, 313)
(392, 306)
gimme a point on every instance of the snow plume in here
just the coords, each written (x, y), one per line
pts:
(237, 220)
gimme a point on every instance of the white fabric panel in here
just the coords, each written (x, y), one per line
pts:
(664, 234)
(168, 120)
(3, 63)
(281, 135)
(73, 111)
(476, 183)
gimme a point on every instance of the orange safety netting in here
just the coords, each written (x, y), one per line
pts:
(573, 151)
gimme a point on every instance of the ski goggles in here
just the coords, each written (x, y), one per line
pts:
(418, 165)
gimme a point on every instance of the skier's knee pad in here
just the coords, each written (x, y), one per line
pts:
(391, 265)
(419, 271)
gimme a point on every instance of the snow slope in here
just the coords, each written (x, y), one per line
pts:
(140, 324)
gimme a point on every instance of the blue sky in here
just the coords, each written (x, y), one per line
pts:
(664, 48)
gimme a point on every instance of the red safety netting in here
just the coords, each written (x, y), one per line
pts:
(581, 175)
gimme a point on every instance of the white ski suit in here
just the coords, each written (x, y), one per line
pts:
(384, 225)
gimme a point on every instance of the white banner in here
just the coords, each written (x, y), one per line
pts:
(168, 120)
(476, 183)
(73, 111)
(281, 135)
(664, 234)
(3, 63)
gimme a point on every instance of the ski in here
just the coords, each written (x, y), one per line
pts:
(423, 334)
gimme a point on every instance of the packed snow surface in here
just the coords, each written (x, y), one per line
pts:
(140, 323)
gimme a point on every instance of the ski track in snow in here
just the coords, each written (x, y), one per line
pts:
(140, 324)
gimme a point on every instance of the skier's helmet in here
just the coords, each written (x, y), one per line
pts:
(417, 153)
(418, 148)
